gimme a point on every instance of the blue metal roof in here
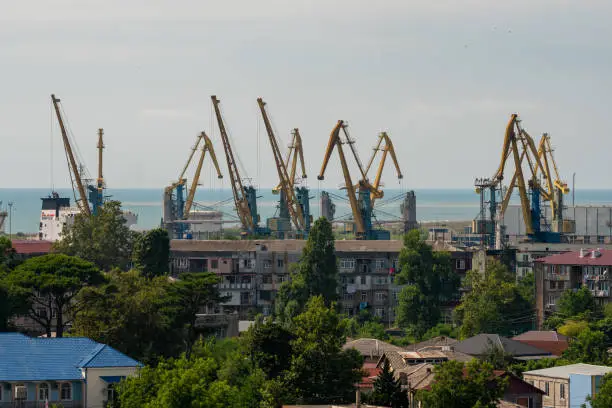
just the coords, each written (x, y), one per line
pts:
(24, 358)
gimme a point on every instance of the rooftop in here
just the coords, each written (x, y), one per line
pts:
(594, 257)
(279, 245)
(541, 335)
(565, 371)
(371, 347)
(482, 343)
(40, 359)
(29, 247)
(545, 340)
(439, 341)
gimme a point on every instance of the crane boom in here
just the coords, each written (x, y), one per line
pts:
(100, 146)
(294, 154)
(386, 149)
(286, 183)
(74, 168)
(335, 141)
(240, 199)
(207, 146)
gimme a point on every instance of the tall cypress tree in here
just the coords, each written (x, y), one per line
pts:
(388, 391)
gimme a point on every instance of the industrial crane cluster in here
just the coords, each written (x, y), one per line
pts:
(85, 192)
(535, 182)
(294, 219)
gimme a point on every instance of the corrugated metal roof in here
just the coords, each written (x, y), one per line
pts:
(565, 371)
(574, 258)
(481, 344)
(38, 359)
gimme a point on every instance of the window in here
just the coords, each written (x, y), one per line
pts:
(552, 284)
(266, 279)
(380, 312)
(364, 296)
(381, 263)
(561, 285)
(347, 296)
(551, 300)
(348, 311)
(363, 280)
(110, 394)
(460, 264)
(21, 392)
(525, 258)
(601, 239)
(43, 392)
(214, 264)
(380, 296)
(267, 263)
(347, 263)
(280, 263)
(562, 391)
(547, 388)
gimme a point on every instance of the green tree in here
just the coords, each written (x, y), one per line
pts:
(574, 303)
(603, 399)
(269, 346)
(493, 304)
(190, 292)
(588, 347)
(431, 281)
(316, 273)
(526, 286)
(133, 314)
(572, 328)
(52, 283)
(103, 239)
(6, 253)
(151, 253)
(11, 303)
(454, 388)
(321, 372)
(441, 329)
(388, 391)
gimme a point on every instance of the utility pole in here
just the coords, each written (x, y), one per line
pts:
(10, 206)
(573, 190)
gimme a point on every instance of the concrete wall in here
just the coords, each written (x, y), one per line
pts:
(553, 399)
(95, 387)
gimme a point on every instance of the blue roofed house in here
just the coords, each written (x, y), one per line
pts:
(75, 372)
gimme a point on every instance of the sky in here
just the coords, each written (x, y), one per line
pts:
(441, 77)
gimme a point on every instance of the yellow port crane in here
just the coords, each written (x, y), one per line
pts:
(521, 146)
(240, 198)
(386, 149)
(207, 146)
(295, 153)
(361, 213)
(73, 167)
(286, 182)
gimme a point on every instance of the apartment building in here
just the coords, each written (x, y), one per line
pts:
(555, 274)
(567, 386)
(253, 270)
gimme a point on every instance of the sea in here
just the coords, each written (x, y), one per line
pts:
(433, 205)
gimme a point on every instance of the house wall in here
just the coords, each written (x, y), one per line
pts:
(553, 399)
(96, 387)
(32, 391)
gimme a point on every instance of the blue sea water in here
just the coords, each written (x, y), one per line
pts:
(432, 204)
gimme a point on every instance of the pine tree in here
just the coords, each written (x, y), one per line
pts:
(387, 390)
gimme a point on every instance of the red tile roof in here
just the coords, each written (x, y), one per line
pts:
(573, 258)
(31, 247)
(368, 380)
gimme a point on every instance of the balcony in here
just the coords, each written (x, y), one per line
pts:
(601, 293)
(233, 286)
(556, 277)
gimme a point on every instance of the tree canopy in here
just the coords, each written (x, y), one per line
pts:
(430, 283)
(151, 253)
(103, 239)
(603, 399)
(49, 286)
(456, 386)
(316, 273)
(387, 390)
(493, 304)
